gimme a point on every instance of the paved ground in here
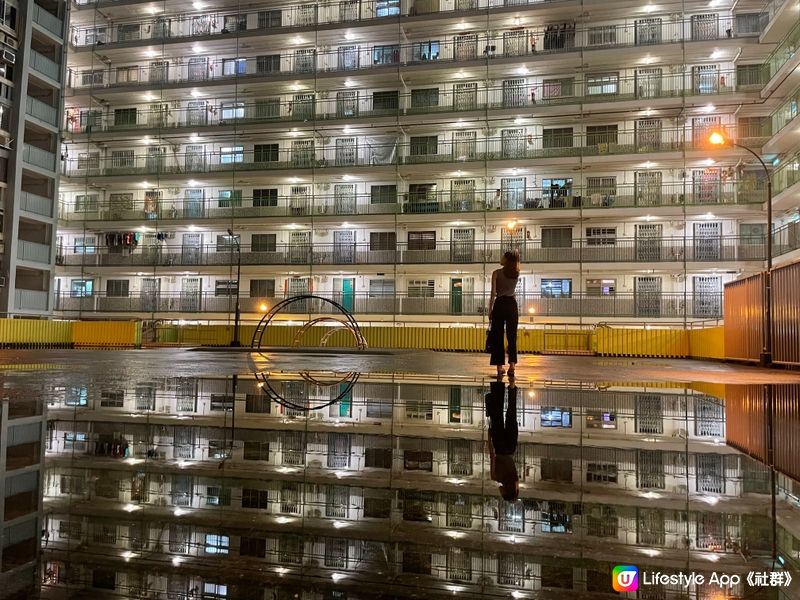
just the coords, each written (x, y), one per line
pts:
(185, 362)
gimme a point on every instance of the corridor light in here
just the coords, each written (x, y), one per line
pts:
(716, 138)
(349, 36)
(195, 94)
(531, 310)
(511, 224)
(263, 308)
(349, 83)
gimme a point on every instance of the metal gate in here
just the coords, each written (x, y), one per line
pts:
(649, 242)
(647, 296)
(707, 296)
(707, 241)
(462, 245)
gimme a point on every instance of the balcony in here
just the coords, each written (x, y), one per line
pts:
(33, 252)
(514, 145)
(365, 105)
(466, 50)
(45, 66)
(534, 199)
(30, 299)
(651, 305)
(39, 110)
(619, 250)
(48, 21)
(37, 157)
(38, 205)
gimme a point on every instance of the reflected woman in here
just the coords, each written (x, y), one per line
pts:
(503, 438)
(503, 313)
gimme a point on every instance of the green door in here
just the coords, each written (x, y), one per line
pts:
(346, 402)
(456, 297)
(348, 294)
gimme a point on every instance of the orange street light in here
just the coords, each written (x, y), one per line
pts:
(717, 139)
(263, 307)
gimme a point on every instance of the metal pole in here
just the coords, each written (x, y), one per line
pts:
(235, 343)
(766, 337)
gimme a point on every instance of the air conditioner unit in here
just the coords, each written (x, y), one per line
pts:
(2, 282)
(9, 56)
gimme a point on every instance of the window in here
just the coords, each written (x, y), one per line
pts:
(555, 416)
(231, 154)
(752, 234)
(601, 287)
(263, 242)
(425, 145)
(556, 237)
(602, 35)
(225, 287)
(269, 18)
(267, 109)
(385, 100)
(265, 196)
(601, 473)
(556, 288)
(377, 508)
(602, 84)
(89, 160)
(556, 518)
(234, 66)
(82, 288)
(255, 498)
(232, 110)
(601, 135)
(382, 240)
(214, 591)
(606, 187)
(262, 288)
(117, 288)
(557, 138)
(122, 159)
(424, 98)
(416, 562)
(86, 202)
(556, 469)
(112, 399)
(378, 458)
(383, 194)
(426, 51)
(249, 546)
(94, 77)
(218, 496)
(387, 8)
(232, 23)
(229, 199)
(124, 116)
(422, 240)
(381, 287)
(386, 55)
(257, 450)
(596, 419)
(265, 153)
(127, 74)
(418, 460)
(601, 236)
(256, 403)
(557, 88)
(421, 288)
(217, 544)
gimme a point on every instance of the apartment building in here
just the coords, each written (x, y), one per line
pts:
(385, 153)
(31, 84)
(204, 487)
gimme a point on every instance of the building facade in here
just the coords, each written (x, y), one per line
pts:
(385, 153)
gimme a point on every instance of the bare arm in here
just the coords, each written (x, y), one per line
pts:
(494, 293)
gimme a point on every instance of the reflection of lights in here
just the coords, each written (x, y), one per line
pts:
(531, 394)
(651, 552)
(711, 557)
(281, 570)
(455, 588)
(338, 576)
(455, 481)
(340, 474)
(127, 555)
(183, 463)
(712, 500)
(513, 539)
(134, 461)
(455, 534)
(340, 524)
(131, 507)
(179, 511)
(651, 495)
(283, 520)
(517, 594)
(511, 224)
(176, 561)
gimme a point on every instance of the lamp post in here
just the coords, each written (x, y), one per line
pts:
(718, 138)
(235, 341)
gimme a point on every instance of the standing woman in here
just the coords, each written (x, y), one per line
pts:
(503, 313)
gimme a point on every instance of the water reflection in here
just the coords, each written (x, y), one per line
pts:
(210, 487)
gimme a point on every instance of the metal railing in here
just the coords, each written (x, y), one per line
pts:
(783, 53)
(40, 110)
(38, 157)
(48, 20)
(365, 152)
(349, 104)
(786, 175)
(530, 198)
(785, 113)
(535, 39)
(466, 49)
(36, 204)
(649, 250)
(33, 251)
(30, 299)
(45, 66)
(649, 306)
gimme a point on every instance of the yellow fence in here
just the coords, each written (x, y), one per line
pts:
(604, 340)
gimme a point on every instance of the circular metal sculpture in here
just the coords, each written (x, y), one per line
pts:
(346, 322)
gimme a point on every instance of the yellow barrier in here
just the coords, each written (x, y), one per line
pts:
(650, 343)
(35, 333)
(707, 343)
(106, 334)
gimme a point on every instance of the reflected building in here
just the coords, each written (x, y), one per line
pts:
(188, 488)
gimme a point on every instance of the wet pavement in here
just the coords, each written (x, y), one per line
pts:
(185, 474)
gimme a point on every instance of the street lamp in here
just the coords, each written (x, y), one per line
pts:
(718, 138)
(235, 341)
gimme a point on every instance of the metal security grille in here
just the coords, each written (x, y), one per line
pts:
(707, 296)
(179, 538)
(182, 488)
(459, 510)
(459, 564)
(466, 46)
(338, 450)
(707, 241)
(291, 497)
(705, 79)
(710, 477)
(649, 241)
(464, 145)
(346, 104)
(706, 185)
(347, 58)
(510, 569)
(512, 193)
(649, 83)
(302, 153)
(648, 135)
(513, 143)
(648, 31)
(459, 457)
(337, 501)
(515, 42)
(462, 194)
(336, 553)
(647, 296)
(462, 245)
(648, 188)
(514, 93)
(650, 527)
(602, 521)
(650, 469)
(512, 517)
(649, 414)
(293, 447)
(346, 151)
(465, 96)
(705, 26)
(344, 198)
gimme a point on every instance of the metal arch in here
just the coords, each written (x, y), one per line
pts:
(266, 385)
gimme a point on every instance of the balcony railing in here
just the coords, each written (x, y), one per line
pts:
(40, 110)
(471, 200)
(30, 299)
(215, 25)
(38, 157)
(514, 145)
(468, 48)
(786, 175)
(348, 104)
(33, 203)
(651, 305)
(45, 66)
(48, 20)
(786, 239)
(783, 53)
(615, 250)
(33, 251)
